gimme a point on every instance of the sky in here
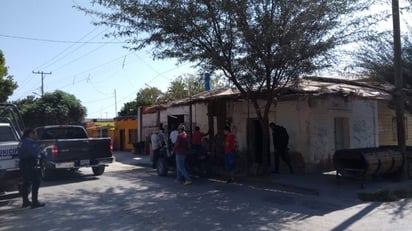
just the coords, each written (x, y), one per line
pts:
(51, 36)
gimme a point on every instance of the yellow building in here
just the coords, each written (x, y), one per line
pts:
(125, 134)
(101, 128)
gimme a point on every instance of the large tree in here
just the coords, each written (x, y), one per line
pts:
(7, 85)
(145, 96)
(259, 45)
(376, 59)
(187, 85)
(53, 108)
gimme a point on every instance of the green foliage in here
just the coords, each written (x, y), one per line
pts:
(129, 109)
(148, 96)
(145, 96)
(7, 85)
(184, 86)
(53, 108)
(255, 43)
(376, 60)
(258, 45)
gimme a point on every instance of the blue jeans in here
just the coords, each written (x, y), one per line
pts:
(230, 161)
(181, 172)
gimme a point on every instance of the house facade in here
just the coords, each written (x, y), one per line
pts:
(125, 134)
(320, 115)
(100, 128)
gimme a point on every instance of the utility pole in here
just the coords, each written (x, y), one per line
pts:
(115, 103)
(42, 74)
(398, 93)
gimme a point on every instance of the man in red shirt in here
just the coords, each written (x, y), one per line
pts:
(230, 153)
(181, 149)
(197, 140)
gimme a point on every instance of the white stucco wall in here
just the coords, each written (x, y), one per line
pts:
(320, 132)
(199, 116)
(311, 124)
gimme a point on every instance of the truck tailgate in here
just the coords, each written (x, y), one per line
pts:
(78, 149)
(100, 147)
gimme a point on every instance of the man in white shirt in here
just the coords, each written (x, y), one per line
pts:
(154, 139)
(173, 136)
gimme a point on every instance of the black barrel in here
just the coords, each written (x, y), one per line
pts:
(364, 162)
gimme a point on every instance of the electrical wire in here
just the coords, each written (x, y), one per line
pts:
(55, 41)
(55, 58)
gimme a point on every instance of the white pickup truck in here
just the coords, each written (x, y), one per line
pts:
(9, 141)
(10, 130)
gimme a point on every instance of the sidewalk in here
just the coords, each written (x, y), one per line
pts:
(324, 185)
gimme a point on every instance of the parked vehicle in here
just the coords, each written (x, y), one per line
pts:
(67, 147)
(11, 127)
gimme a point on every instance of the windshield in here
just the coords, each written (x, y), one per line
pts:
(61, 133)
(7, 134)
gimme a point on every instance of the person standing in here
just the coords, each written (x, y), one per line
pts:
(181, 149)
(173, 137)
(154, 139)
(230, 153)
(280, 143)
(197, 140)
(30, 154)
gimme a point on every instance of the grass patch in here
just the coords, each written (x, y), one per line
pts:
(386, 195)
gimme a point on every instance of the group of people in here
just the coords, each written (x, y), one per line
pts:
(179, 140)
(180, 146)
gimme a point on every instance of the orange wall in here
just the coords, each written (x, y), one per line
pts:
(124, 127)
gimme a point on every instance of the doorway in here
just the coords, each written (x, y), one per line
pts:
(342, 136)
(122, 138)
(174, 120)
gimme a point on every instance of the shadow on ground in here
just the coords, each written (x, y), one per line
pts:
(139, 199)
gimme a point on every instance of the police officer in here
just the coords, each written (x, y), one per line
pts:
(29, 154)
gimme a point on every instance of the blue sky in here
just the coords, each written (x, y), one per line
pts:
(90, 71)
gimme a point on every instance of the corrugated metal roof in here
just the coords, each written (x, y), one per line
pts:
(305, 86)
(323, 86)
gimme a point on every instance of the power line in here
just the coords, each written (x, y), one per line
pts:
(78, 58)
(55, 41)
(58, 56)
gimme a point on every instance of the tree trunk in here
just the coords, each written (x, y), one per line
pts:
(263, 120)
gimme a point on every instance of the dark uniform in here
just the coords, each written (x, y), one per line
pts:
(29, 154)
(280, 143)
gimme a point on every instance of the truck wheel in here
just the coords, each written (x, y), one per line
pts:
(99, 170)
(20, 188)
(45, 173)
(162, 167)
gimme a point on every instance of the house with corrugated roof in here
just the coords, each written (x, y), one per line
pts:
(321, 115)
